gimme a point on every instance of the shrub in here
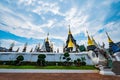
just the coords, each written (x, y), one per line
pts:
(66, 54)
(42, 56)
(19, 59)
(67, 58)
(41, 59)
(83, 61)
(78, 62)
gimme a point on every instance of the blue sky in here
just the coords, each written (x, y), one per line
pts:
(30, 20)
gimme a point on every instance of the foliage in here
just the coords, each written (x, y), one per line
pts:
(41, 59)
(80, 62)
(67, 58)
(19, 59)
(42, 56)
(66, 54)
(77, 62)
(83, 61)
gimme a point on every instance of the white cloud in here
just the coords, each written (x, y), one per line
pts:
(19, 24)
(27, 2)
(46, 7)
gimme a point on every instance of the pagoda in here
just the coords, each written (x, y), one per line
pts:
(113, 47)
(71, 45)
(91, 43)
(11, 47)
(47, 46)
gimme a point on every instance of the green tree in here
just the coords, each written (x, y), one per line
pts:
(19, 59)
(41, 59)
(67, 58)
(77, 62)
(83, 61)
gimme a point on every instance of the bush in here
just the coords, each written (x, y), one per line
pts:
(7, 62)
(19, 59)
(78, 62)
(67, 58)
(66, 54)
(83, 61)
(41, 59)
(42, 56)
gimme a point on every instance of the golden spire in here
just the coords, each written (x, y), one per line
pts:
(47, 38)
(69, 30)
(70, 43)
(109, 39)
(90, 42)
(93, 40)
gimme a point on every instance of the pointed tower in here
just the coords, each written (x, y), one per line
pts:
(91, 45)
(35, 50)
(70, 43)
(43, 48)
(112, 46)
(11, 47)
(46, 45)
(94, 42)
(38, 48)
(63, 47)
(25, 47)
(17, 50)
(109, 39)
(31, 50)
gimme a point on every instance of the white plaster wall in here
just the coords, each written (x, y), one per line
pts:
(7, 56)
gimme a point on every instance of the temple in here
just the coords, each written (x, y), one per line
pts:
(113, 48)
(47, 46)
(71, 45)
(91, 43)
(106, 60)
(11, 47)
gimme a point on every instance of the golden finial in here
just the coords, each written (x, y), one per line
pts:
(109, 39)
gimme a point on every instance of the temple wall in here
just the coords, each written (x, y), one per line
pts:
(7, 56)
